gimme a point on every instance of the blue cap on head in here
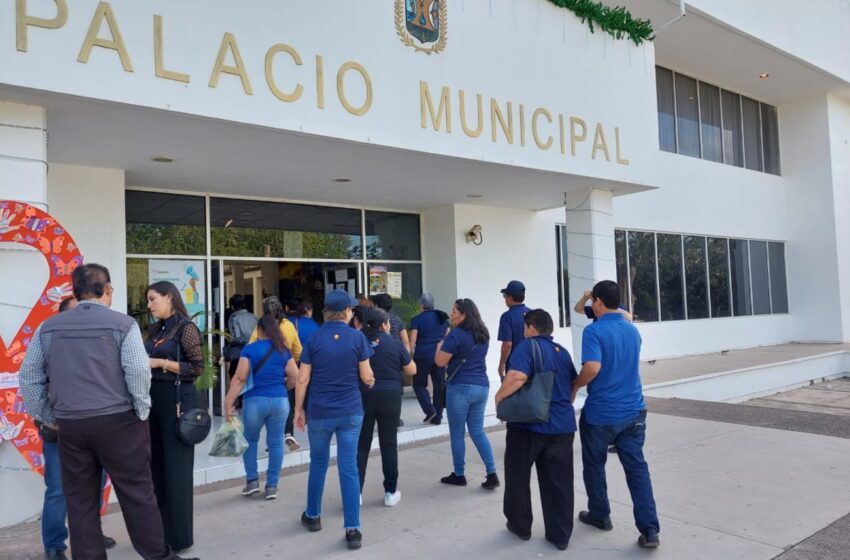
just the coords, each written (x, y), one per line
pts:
(339, 300)
(514, 288)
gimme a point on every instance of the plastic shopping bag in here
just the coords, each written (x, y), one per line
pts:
(229, 440)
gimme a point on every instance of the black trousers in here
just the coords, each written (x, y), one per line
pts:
(385, 408)
(553, 457)
(119, 443)
(425, 369)
(172, 462)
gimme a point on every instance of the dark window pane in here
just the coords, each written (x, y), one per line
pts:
(770, 137)
(250, 228)
(761, 282)
(733, 143)
(718, 277)
(778, 282)
(739, 257)
(709, 102)
(752, 134)
(392, 236)
(666, 110)
(687, 112)
(670, 277)
(165, 224)
(563, 276)
(644, 286)
(696, 284)
(404, 283)
(622, 279)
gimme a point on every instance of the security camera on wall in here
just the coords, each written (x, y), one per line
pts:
(474, 235)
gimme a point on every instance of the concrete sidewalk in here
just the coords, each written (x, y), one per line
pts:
(724, 491)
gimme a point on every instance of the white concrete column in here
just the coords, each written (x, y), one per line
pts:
(23, 153)
(590, 249)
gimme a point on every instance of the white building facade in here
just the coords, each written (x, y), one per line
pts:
(294, 147)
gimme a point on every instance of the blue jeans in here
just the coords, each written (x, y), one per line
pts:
(320, 431)
(54, 533)
(465, 406)
(628, 437)
(270, 412)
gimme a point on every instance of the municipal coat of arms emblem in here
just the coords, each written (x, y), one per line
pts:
(421, 24)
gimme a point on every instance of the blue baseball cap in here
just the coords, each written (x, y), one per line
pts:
(514, 288)
(339, 300)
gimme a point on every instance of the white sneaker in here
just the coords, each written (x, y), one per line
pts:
(392, 499)
(291, 442)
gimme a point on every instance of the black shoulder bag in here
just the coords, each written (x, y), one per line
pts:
(441, 391)
(530, 404)
(193, 425)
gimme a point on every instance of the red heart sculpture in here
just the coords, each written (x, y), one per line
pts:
(27, 225)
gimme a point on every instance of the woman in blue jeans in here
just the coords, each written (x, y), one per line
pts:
(333, 363)
(261, 376)
(463, 353)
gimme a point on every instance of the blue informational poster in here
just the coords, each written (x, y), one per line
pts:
(189, 277)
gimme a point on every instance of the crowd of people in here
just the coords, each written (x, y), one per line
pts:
(107, 398)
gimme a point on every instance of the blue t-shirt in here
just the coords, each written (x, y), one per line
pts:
(429, 332)
(305, 326)
(389, 357)
(562, 415)
(615, 395)
(335, 353)
(460, 344)
(269, 380)
(512, 327)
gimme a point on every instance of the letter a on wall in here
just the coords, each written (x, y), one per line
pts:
(27, 225)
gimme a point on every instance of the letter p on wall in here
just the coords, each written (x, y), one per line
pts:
(24, 20)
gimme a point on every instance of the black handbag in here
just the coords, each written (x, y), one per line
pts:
(193, 425)
(530, 404)
(440, 392)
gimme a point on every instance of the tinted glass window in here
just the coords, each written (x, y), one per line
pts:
(402, 281)
(670, 277)
(739, 257)
(644, 286)
(622, 277)
(666, 109)
(709, 101)
(563, 276)
(250, 228)
(733, 140)
(165, 224)
(770, 138)
(718, 277)
(392, 236)
(696, 282)
(778, 282)
(687, 111)
(761, 281)
(752, 134)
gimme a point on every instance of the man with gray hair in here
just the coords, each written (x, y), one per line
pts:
(86, 373)
(426, 331)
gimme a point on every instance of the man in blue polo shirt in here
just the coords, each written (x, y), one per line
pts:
(511, 325)
(614, 413)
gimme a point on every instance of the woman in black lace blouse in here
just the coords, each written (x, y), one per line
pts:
(174, 347)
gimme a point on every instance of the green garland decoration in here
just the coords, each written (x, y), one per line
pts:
(617, 22)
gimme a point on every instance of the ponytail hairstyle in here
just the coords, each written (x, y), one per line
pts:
(270, 326)
(473, 322)
(374, 320)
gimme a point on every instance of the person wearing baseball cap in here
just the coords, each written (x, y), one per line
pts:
(511, 324)
(333, 363)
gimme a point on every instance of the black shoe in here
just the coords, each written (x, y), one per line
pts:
(558, 545)
(454, 480)
(649, 539)
(492, 482)
(400, 423)
(108, 542)
(55, 555)
(312, 525)
(429, 417)
(515, 531)
(354, 538)
(603, 524)
(612, 449)
(437, 420)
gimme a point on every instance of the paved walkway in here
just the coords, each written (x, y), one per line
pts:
(724, 490)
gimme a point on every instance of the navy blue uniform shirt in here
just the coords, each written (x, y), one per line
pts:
(460, 344)
(429, 332)
(389, 357)
(335, 353)
(512, 327)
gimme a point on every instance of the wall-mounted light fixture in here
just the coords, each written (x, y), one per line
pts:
(474, 235)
